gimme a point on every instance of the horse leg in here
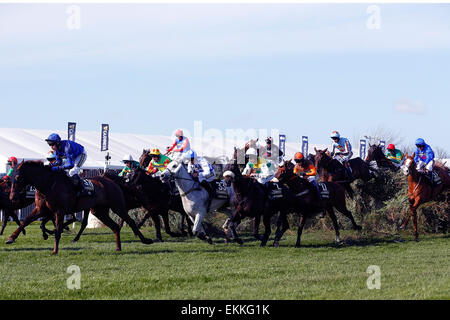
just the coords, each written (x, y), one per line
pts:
(146, 216)
(165, 216)
(124, 215)
(58, 230)
(332, 215)
(45, 231)
(349, 190)
(102, 213)
(83, 225)
(120, 223)
(408, 216)
(301, 224)
(5, 220)
(34, 215)
(256, 222)
(267, 229)
(282, 226)
(17, 221)
(157, 221)
(232, 223)
(343, 209)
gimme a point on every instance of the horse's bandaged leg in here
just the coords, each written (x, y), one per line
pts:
(198, 222)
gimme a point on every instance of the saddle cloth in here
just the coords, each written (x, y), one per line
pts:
(275, 192)
(220, 189)
(435, 178)
(30, 192)
(324, 192)
(87, 187)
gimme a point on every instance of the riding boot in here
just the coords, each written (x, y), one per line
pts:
(77, 183)
(348, 171)
(205, 184)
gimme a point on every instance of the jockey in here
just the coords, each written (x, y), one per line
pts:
(200, 169)
(12, 163)
(396, 156)
(158, 163)
(261, 169)
(305, 168)
(130, 164)
(228, 179)
(271, 151)
(51, 159)
(341, 150)
(424, 157)
(70, 155)
(180, 145)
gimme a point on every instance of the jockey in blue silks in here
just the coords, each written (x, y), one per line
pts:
(69, 154)
(424, 157)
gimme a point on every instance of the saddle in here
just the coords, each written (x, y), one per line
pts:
(433, 178)
(87, 188)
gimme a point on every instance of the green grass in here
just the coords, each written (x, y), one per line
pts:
(190, 269)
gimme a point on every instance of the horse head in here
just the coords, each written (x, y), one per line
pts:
(408, 166)
(285, 170)
(321, 158)
(145, 158)
(375, 152)
(172, 170)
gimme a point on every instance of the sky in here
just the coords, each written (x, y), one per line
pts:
(302, 69)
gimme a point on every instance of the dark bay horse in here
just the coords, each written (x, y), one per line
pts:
(304, 201)
(61, 198)
(375, 153)
(175, 202)
(252, 201)
(332, 170)
(420, 189)
(9, 208)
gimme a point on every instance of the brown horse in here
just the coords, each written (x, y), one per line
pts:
(175, 202)
(9, 208)
(61, 198)
(332, 170)
(304, 200)
(375, 153)
(420, 189)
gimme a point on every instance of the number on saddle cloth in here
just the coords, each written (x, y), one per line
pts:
(87, 187)
(221, 190)
(324, 193)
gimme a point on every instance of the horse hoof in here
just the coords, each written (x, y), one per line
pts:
(45, 236)
(74, 240)
(276, 244)
(24, 233)
(159, 240)
(9, 241)
(239, 241)
(359, 228)
(54, 253)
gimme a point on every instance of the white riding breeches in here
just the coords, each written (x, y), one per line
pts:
(343, 158)
(79, 161)
(421, 165)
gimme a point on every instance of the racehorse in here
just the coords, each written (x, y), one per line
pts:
(305, 201)
(253, 201)
(420, 189)
(194, 197)
(332, 170)
(61, 198)
(375, 153)
(8, 207)
(175, 200)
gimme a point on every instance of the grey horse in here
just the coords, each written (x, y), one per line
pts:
(193, 196)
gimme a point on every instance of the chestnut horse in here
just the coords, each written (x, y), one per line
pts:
(420, 189)
(332, 170)
(61, 198)
(304, 201)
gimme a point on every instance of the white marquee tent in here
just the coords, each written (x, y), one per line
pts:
(30, 144)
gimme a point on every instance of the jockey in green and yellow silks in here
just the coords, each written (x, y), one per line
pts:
(395, 155)
(130, 164)
(158, 163)
(261, 169)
